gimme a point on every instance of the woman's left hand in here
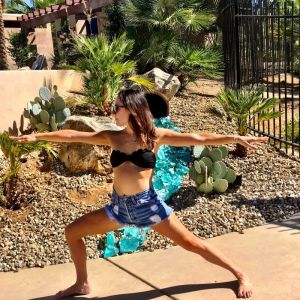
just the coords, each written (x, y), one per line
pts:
(248, 141)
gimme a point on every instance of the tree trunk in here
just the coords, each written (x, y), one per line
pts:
(3, 62)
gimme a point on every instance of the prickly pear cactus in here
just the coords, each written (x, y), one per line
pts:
(209, 172)
(47, 112)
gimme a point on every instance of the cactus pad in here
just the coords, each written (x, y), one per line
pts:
(199, 166)
(208, 162)
(45, 93)
(230, 176)
(44, 117)
(220, 185)
(36, 109)
(224, 151)
(205, 188)
(59, 103)
(215, 155)
(193, 173)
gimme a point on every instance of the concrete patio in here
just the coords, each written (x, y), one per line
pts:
(269, 254)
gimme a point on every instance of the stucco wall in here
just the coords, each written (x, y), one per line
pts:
(18, 87)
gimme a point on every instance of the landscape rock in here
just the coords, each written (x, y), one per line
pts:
(165, 83)
(79, 157)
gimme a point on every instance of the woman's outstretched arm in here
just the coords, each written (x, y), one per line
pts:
(66, 135)
(173, 138)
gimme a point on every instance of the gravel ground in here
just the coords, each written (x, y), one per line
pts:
(34, 235)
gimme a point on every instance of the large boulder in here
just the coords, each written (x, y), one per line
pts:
(85, 157)
(165, 83)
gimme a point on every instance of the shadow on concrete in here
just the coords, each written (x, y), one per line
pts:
(152, 294)
(293, 223)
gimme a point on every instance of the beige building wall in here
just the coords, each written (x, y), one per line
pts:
(44, 43)
(19, 87)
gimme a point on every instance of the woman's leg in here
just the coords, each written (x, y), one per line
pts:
(95, 222)
(176, 231)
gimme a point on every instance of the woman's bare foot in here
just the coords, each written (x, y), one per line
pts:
(75, 289)
(245, 287)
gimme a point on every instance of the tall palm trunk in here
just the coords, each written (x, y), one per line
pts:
(3, 63)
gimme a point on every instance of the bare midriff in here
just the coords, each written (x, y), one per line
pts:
(130, 179)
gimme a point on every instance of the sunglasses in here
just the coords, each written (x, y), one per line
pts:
(115, 108)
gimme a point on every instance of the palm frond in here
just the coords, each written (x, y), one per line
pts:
(247, 103)
(143, 81)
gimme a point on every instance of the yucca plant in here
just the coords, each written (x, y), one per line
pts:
(105, 67)
(13, 151)
(245, 104)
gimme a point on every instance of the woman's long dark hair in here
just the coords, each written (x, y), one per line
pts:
(141, 119)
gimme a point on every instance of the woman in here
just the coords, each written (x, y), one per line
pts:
(134, 200)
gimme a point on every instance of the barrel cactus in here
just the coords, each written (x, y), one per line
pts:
(209, 172)
(47, 112)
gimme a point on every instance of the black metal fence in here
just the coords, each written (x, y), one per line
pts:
(261, 42)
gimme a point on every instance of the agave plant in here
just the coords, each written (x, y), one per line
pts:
(245, 104)
(105, 67)
(13, 151)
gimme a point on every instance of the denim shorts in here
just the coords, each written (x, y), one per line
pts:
(142, 210)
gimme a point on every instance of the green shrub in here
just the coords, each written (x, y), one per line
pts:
(105, 66)
(23, 54)
(13, 152)
(292, 131)
(171, 34)
(245, 104)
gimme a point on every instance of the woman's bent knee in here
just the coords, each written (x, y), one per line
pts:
(71, 232)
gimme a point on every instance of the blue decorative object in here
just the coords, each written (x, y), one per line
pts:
(171, 166)
(128, 244)
(110, 249)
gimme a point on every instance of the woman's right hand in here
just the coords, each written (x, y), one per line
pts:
(29, 138)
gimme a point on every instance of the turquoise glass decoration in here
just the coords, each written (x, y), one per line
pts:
(110, 249)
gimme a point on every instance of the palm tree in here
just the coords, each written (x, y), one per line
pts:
(3, 63)
(245, 104)
(21, 7)
(105, 66)
(162, 28)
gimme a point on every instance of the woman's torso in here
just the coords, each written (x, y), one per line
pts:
(129, 179)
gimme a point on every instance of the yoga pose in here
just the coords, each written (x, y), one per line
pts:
(134, 201)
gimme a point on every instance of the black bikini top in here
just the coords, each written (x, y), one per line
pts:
(143, 158)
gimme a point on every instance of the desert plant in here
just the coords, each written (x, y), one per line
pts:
(209, 172)
(188, 62)
(105, 67)
(23, 7)
(13, 151)
(292, 131)
(245, 104)
(168, 27)
(47, 112)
